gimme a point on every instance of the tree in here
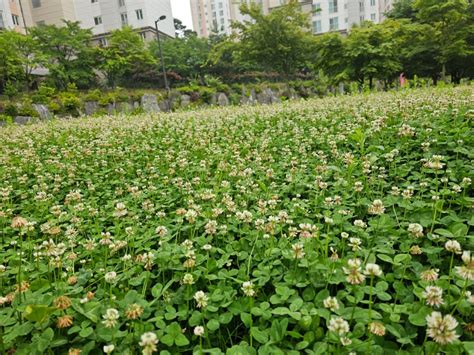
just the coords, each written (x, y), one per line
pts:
(185, 56)
(70, 56)
(330, 49)
(371, 53)
(402, 9)
(19, 55)
(454, 28)
(277, 41)
(181, 30)
(418, 49)
(125, 57)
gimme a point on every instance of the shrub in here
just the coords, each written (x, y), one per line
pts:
(70, 103)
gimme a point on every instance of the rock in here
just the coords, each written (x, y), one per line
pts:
(90, 107)
(22, 120)
(111, 109)
(267, 96)
(222, 99)
(43, 112)
(150, 103)
(249, 100)
(185, 100)
(124, 107)
(341, 88)
(2, 123)
(164, 105)
(174, 100)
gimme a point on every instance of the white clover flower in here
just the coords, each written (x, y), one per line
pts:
(372, 270)
(331, 303)
(199, 331)
(108, 348)
(111, 317)
(338, 325)
(201, 298)
(188, 279)
(433, 295)
(377, 207)
(415, 229)
(442, 329)
(247, 288)
(110, 277)
(453, 246)
(148, 342)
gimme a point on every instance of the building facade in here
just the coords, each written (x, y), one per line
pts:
(215, 16)
(14, 16)
(101, 16)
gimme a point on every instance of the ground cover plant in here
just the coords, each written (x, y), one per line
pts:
(337, 225)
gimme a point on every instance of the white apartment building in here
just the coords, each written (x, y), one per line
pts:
(216, 16)
(13, 16)
(101, 16)
(326, 15)
(104, 16)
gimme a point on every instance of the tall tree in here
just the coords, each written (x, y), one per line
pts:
(186, 56)
(371, 53)
(277, 41)
(70, 56)
(451, 20)
(125, 56)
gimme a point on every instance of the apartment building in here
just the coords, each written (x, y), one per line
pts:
(14, 16)
(101, 16)
(215, 16)
(104, 16)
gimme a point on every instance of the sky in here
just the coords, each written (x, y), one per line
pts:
(182, 10)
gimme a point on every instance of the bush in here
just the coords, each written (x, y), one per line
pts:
(11, 110)
(43, 95)
(70, 103)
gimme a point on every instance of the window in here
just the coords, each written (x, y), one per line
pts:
(124, 18)
(94, 1)
(221, 13)
(332, 6)
(361, 18)
(333, 23)
(98, 20)
(139, 13)
(36, 3)
(361, 6)
(16, 20)
(317, 26)
(143, 35)
(103, 42)
(222, 21)
(213, 7)
(372, 2)
(317, 9)
(121, 3)
(220, 5)
(372, 17)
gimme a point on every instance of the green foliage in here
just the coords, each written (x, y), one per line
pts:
(70, 103)
(43, 95)
(280, 41)
(125, 56)
(308, 227)
(70, 56)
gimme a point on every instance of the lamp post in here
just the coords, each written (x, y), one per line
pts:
(163, 17)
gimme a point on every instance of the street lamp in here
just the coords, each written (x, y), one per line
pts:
(163, 17)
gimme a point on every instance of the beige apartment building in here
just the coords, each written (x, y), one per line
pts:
(216, 16)
(101, 16)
